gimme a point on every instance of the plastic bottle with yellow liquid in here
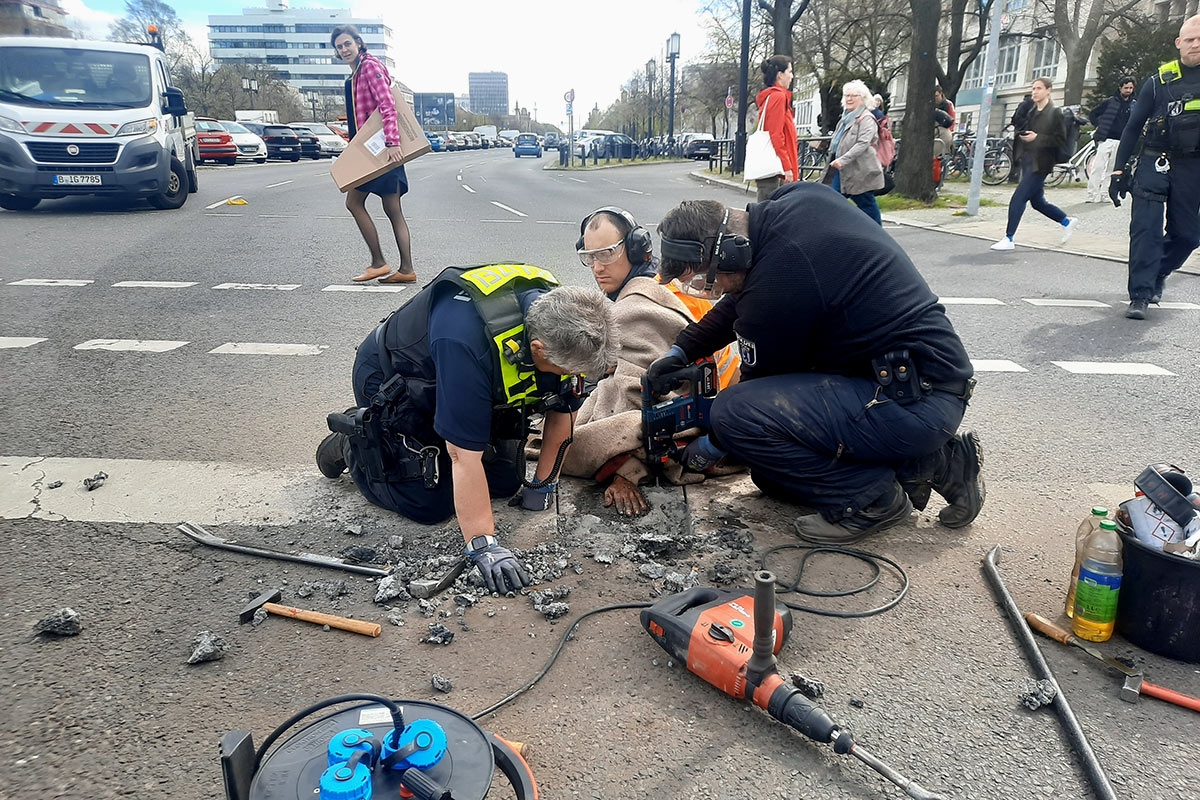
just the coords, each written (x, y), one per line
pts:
(1090, 525)
(1099, 584)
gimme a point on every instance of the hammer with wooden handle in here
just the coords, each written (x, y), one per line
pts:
(268, 600)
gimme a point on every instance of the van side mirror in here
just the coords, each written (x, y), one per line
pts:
(174, 105)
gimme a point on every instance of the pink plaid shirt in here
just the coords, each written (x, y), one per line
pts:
(372, 89)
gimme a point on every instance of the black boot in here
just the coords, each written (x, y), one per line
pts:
(960, 480)
(1136, 310)
(331, 459)
(1160, 285)
(888, 511)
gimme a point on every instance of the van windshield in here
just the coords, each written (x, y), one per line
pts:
(68, 77)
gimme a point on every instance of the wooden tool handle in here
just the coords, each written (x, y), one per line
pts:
(1045, 626)
(1170, 696)
(352, 625)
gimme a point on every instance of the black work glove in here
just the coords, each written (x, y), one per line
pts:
(700, 454)
(532, 499)
(501, 571)
(1118, 187)
(674, 360)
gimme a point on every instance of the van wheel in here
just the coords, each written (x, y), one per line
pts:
(193, 180)
(17, 203)
(177, 186)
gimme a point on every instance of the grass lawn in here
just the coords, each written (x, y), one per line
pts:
(895, 202)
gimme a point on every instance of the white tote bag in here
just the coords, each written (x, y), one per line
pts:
(761, 159)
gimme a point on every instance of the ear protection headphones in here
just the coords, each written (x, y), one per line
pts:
(730, 253)
(639, 247)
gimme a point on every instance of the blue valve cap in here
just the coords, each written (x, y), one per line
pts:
(340, 782)
(346, 743)
(430, 741)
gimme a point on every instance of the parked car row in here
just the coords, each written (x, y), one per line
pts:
(450, 141)
(226, 142)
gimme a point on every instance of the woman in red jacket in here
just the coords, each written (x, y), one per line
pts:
(368, 89)
(778, 121)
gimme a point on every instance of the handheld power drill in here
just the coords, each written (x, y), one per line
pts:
(709, 631)
(663, 420)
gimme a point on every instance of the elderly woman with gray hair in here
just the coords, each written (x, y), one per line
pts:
(857, 172)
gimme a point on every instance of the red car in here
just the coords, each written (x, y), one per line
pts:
(216, 144)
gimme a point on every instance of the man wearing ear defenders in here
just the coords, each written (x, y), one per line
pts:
(854, 382)
(444, 388)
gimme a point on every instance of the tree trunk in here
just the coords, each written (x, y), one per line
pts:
(914, 172)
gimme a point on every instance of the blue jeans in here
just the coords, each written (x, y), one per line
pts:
(865, 201)
(822, 441)
(1031, 190)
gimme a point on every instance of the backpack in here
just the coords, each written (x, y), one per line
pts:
(885, 144)
(1071, 126)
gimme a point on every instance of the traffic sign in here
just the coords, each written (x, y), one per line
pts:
(729, 101)
(569, 96)
(569, 108)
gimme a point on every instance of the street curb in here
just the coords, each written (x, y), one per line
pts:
(700, 176)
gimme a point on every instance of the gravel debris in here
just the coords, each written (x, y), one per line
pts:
(438, 634)
(54, 485)
(207, 646)
(1035, 694)
(809, 687)
(390, 588)
(441, 684)
(95, 482)
(64, 622)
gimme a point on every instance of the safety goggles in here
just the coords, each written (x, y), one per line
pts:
(601, 255)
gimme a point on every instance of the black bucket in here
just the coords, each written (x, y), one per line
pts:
(1159, 608)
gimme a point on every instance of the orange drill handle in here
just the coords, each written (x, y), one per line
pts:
(1170, 696)
(1045, 626)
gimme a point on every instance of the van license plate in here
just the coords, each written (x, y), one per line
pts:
(76, 180)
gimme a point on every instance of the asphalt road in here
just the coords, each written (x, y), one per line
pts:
(1073, 402)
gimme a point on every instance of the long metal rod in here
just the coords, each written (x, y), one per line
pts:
(198, 534)
(1091, 764)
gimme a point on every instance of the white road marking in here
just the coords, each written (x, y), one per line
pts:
(577, 180)
(996, 365)
(225, 214)
(277, 287)
(222, 202)
(554, 222)
(281, 183)
(1050, 301)
(469, 189)
(505, 221)
(153, 284)
(12, 342)
(508, 208)
(343, 216)
(632, 191)
(970, 301)
(359, 287)
(166, 492)
(268, 349)
(130, 345)
(279, 216)
(50, 282)
(1174, 306)
(458, 176)
(1110, 368)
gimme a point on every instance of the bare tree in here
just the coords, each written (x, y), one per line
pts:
(783, 20)
(1078, 26)
(964, 43)
(914, 173)
(140, 15)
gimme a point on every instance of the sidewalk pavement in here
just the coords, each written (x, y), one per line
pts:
(1102, 231)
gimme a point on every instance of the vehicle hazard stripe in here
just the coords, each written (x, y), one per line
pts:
(43, 127)
(71, 129)
(98, 129)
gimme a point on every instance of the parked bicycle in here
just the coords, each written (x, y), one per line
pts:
(1075, 170)
(813, 158)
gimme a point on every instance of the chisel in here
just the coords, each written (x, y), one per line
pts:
(1058, 634)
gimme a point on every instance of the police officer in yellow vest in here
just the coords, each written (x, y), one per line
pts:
(444, 389)
(1168, 173)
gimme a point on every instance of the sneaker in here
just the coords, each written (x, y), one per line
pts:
(330, 457)
(1004, 244)
(1069, 228)
(960, 480)
(887, 512)
(1136, 310)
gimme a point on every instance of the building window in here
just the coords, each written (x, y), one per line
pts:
(1010, 57)
(1045, 58)
(973, 77)
(1015, 5)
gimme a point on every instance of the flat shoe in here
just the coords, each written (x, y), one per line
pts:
(371, 273)
(400, 277)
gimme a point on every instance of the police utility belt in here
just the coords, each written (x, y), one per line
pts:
(898, 379)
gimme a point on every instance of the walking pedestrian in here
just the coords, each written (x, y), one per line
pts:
(944, 117)
(369, 88)
(1168, 173)
(1109, 118)
(859, 173)
(1037, 152)
(776, 98)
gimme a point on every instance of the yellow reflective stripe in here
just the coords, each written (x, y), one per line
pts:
(1170, 71)
(518, 381)
(488, 279)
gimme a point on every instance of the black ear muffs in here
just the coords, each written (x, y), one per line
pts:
(639, 246)
(734, 254)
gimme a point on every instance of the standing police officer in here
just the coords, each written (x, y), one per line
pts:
(1168, 172)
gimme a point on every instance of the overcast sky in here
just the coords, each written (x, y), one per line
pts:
(545, 46)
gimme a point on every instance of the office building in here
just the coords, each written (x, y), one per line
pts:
(32, 18)
(489, 92)
(296, 42)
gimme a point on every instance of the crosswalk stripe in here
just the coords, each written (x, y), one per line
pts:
(509, 209)
(277, 287)
(153, 284)
(268, 349)
(1167, 304)
(1111, 368)
(996, 365)
(351, 287)
(12, 342)
(49, 282)
(130, 345)
(1065, 303)
(970, 301)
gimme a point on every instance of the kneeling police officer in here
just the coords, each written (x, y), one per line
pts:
(854, 382)
(444, 390)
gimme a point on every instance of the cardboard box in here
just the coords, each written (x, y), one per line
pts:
(363, 159)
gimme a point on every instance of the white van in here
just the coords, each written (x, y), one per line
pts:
(84, 117)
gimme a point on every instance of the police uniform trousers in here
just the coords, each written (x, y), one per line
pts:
(1153, 253)
(504, 465)
(826, 441)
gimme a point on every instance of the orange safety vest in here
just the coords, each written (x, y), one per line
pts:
(729, 363)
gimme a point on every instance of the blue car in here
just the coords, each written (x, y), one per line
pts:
(436, 141)
(527, 145)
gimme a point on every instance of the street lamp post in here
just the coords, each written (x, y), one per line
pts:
(250, 87)
(650, 99)
(672, 54)
(739, 142)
